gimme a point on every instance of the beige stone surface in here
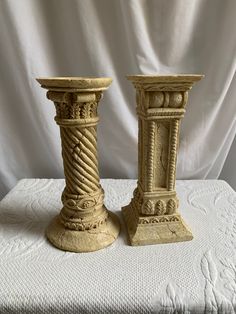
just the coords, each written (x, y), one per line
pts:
(152, 216)
(84, 224)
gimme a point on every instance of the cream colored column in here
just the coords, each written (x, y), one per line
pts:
(152, 216)
(84, 224)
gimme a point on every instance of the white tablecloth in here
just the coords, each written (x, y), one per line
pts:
(197, 276)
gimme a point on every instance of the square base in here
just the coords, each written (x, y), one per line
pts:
(144, 230)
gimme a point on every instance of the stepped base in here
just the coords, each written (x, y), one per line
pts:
(144, 230)
(83, 241)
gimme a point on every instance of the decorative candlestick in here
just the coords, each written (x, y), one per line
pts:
(152, 217)
(84, 224)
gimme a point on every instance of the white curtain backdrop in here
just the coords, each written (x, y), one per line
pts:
(114, 38)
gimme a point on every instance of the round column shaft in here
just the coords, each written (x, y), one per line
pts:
(84, 224)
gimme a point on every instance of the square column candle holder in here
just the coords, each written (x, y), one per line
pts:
(152, 216)
(84, 224)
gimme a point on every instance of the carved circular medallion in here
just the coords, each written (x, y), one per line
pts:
(156, 99)
(176, 100)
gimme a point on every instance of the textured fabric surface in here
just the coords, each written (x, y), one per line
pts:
(115, 38)
(196, 276)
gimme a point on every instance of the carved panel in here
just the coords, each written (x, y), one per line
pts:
(161, 155)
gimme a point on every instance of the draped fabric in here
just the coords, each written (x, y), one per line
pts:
(114, 38)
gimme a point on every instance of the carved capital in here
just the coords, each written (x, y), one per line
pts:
(75, 106)
(161, 105)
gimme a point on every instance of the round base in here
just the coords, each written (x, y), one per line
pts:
(83, 241)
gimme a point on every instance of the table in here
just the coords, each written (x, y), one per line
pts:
(198, 276)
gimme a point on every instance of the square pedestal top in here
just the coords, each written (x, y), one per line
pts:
(165, 78)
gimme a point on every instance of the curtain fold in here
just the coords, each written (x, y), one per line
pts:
(115, 38)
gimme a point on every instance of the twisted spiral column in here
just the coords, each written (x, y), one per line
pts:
(83, 224)
(79, 152)
(83, 196)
